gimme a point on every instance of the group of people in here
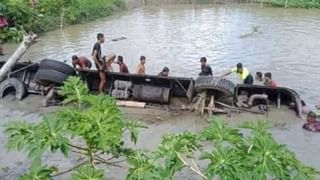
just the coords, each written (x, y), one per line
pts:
(242, 72)
(104, 63)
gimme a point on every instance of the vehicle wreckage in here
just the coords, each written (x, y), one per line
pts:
(203, 94)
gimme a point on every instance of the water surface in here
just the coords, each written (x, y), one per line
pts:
(287, 42)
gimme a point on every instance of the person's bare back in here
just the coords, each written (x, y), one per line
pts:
(141, 70)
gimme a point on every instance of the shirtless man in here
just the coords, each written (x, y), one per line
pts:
(268, 81)
(141, 70)
(96, 54)
(108, 61)
(81, 63)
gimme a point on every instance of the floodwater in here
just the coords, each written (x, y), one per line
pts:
(286, 43)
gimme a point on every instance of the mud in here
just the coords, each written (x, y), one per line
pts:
(286, 129)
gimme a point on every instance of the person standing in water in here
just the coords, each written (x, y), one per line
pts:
(242, 72)
(141, 70)
(96, 54)
(205, 68)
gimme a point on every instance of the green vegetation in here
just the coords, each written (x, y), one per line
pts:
(296, 3)
(93, 128)
(47, 15)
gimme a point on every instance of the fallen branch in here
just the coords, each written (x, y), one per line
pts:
(28, 40)
(196, 170)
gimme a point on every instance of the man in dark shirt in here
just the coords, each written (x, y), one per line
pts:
(164, 72)
(96, 54)
(122, 66)
(205, 68)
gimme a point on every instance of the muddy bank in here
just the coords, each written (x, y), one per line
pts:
(286, 129)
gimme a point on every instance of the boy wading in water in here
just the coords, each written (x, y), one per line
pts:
(100, 64)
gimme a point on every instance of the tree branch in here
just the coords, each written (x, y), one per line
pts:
(71, 169)
(196, 170)
(115, 162)
(99, 161)
(78, 152)
(78, 147)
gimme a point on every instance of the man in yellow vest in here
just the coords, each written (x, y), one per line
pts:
(242, 72)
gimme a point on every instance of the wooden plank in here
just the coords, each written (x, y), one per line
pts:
(211, 106)
(203, 102)
(239, 109)
(135, 104)
(190, 91)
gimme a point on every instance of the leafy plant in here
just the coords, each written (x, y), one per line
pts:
(259, 156)
(38, 172)
(296, 3)
(88, 172)
(166, 161)
(94, 121)
(47, 15)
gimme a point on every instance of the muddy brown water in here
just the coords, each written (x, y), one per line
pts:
(286, 43)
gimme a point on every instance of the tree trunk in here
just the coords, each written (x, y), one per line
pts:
(286, 4)
(28, 40)
(61, 18)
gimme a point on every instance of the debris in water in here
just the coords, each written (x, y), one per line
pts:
(255, 30)
(119, 39)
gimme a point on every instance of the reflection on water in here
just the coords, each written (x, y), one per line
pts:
(287, 44)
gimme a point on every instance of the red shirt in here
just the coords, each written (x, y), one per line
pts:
(3, 22)
(123, 68)
(83, 63)
(272, 83)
